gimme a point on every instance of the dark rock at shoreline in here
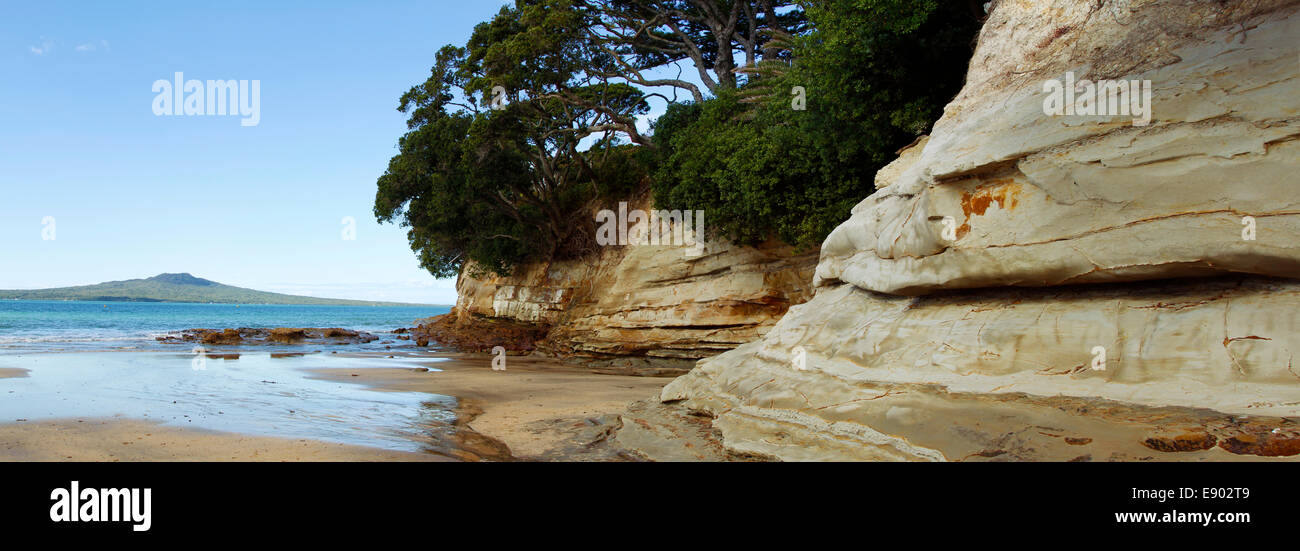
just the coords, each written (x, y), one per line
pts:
(286, 335)
(477, 334)
(228, 336)
(279, 335)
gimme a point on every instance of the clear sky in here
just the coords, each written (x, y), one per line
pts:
(133, 194)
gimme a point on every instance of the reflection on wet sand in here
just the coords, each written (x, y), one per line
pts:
(248, 394)
(258, 405)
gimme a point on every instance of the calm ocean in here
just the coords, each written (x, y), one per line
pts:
(29, 326)
(97, 360)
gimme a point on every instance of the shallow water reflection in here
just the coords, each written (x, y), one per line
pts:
(255, 394)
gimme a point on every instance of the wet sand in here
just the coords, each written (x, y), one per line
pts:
(131, 440)
(255, 395)
(536, 409)
(533, 407)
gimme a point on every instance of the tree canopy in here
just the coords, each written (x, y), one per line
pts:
(640, 35)
(519, 134)
(491, 168)
(872, 75)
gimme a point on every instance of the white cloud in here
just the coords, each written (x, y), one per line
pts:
(44, 48)
(92, 46)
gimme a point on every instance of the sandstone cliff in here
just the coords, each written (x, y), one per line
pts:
(1097, 296)
(645, 306)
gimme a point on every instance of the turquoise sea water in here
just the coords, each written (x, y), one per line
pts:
(27, 325)
(101, 360)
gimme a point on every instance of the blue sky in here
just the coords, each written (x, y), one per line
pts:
(133, 194)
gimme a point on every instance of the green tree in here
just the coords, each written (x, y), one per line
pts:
(641, 35)
(509, 138)
(515, 136)
(875, 74)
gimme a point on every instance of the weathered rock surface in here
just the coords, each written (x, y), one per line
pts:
(647, 302)
(1046, 200)
(909, 352)
(1011, 372)
(479, 334)
(659, 432)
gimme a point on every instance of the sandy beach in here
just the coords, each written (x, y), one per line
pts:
(539, 408)
(536, 409)
(133, 440)
(8, 372)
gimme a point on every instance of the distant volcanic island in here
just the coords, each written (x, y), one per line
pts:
(181, 287)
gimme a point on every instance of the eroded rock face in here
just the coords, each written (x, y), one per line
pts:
(1068, 231)
(952, 376)
(1042, 200)
(653, 302)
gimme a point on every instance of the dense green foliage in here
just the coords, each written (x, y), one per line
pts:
(498, 180)
(501, 184)
(174, 288)
(876, 74)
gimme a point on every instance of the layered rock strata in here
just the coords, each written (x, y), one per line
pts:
(662, 304)
(1026, 286)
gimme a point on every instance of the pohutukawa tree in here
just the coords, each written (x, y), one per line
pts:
(717, 38)
(876, 74)
(516, 134)
(509, 138)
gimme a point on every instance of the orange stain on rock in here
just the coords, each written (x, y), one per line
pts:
(1005, 192)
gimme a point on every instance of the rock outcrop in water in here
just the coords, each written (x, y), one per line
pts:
(1106, 290)
(278, 335)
